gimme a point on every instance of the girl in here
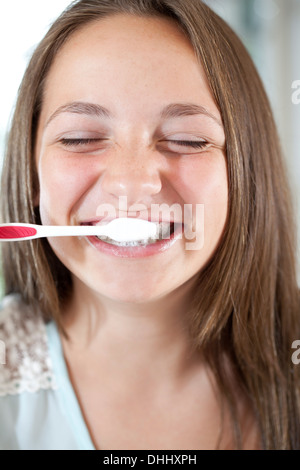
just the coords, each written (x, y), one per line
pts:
(127, 104)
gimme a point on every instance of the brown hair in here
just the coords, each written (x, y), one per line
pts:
(248, 305)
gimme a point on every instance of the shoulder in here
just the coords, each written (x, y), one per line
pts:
(24, 360)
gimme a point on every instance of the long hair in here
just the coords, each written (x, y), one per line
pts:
(246, 303)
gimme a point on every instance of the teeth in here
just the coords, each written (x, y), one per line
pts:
(164, 230)
(133, 243)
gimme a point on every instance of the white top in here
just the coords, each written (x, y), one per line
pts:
(38, 406)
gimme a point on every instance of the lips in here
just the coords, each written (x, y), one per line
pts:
(167, 235)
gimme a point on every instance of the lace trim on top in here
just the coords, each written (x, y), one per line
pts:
(27, 366)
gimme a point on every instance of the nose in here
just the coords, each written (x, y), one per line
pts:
(134, 174)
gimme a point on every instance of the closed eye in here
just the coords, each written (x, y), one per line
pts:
(74, 142)
(183, 147)
(197, 144)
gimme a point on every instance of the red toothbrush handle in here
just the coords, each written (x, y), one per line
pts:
(17, 232)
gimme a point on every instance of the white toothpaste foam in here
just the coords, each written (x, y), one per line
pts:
(130, 229)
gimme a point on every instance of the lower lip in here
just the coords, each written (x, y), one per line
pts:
(136, 251)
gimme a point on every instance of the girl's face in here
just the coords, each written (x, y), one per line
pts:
(129, 128)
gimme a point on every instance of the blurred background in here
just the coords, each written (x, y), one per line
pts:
(270, 29)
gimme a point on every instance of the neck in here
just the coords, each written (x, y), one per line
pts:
(136, 335)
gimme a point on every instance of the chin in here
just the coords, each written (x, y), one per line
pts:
(131, 295)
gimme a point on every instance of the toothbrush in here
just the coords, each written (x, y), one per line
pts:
(120, 230)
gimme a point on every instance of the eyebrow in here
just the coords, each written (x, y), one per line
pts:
(173, 110)
(79, 107)
(186, 109)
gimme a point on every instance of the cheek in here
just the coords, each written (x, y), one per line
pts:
(203, 180)
(62, 185)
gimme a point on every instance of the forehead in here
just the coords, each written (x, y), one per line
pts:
(133, 33)
(126, 55)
